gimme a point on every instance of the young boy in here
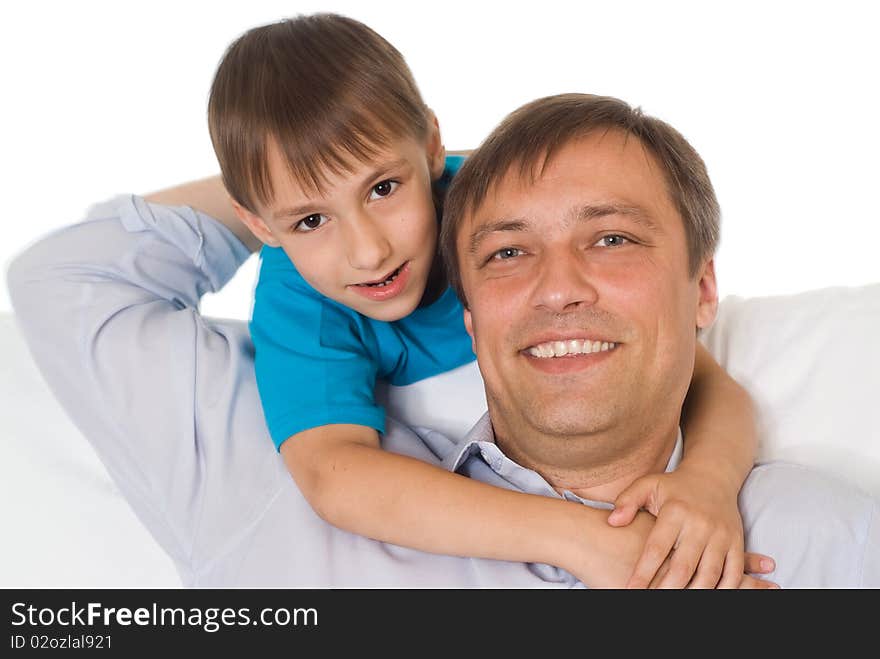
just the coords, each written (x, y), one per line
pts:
(334, 162)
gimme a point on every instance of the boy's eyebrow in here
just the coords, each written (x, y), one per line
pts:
(383, 169)
(285, 213)
(298, 211)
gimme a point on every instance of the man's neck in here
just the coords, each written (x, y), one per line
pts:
(597, 467)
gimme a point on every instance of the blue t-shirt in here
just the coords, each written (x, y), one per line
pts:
(317, 360)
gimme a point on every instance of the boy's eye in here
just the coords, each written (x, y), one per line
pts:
(310, 223)
(383, 189)
(611, 240)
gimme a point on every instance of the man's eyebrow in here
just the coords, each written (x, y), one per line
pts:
(494, 227)
(381, 170)
(635, 213)
(578, 214)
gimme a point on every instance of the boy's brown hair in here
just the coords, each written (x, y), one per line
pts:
(328, 90)
(528, 138)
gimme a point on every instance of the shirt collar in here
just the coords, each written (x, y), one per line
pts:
(479, 443)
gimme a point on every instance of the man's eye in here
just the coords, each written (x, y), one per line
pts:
(310, 223)
(383, 189)
(506, 254)
(611, 240)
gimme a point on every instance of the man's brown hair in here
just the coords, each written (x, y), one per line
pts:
(530, 136)
(326, 88)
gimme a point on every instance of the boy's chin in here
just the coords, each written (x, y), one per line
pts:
(387, 311)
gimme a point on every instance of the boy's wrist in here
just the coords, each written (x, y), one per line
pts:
(583, 543)
(716, 478)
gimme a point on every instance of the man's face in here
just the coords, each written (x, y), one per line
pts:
(369, 241)
(581, 307)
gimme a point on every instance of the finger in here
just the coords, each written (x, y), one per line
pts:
(758, 563)
(657, 547)
(754, 583)
(732, 574)
(660, 575)
(640, 494)
(623, 515)
(711, 566)
(748, 583)
(692, 542)
(683, 562)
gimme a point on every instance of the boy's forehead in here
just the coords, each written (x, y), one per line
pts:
(319, 179)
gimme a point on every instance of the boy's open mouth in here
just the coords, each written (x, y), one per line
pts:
(387, 288)
(378, 283)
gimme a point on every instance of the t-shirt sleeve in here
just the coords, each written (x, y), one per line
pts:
(315, 361)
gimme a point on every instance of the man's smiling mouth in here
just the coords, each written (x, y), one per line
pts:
(569, 347)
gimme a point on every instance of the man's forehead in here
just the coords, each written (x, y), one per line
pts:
(602, 172)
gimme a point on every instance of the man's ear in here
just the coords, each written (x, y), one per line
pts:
(256, 224)
(434, 147)
(469, 327)
(707, 304)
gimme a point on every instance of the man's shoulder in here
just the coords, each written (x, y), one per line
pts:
(775, 472)
(820, 529)
(786, 484)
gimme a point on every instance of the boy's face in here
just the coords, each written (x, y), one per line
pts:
(369, 242)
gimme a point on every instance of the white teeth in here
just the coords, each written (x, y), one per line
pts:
(570, 347)
(384, 283)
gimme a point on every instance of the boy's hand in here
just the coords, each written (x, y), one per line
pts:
(698, 529)
(746, 582)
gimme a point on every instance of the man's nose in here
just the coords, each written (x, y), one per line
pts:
(367, 245)
(564, 282)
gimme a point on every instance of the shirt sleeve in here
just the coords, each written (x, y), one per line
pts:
(109, 309)
(871, 565)
(315, 360)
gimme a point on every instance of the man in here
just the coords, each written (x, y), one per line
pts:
(575, 235)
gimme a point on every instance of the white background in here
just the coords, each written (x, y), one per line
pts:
(781, 99)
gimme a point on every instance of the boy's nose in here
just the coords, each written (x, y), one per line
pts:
(368, 247)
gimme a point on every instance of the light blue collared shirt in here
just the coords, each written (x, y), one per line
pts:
(168, 400)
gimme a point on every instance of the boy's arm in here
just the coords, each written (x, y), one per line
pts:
(719, 424)
(355, 485)
(696, 504)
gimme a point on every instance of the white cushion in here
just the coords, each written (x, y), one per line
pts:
(811, 362)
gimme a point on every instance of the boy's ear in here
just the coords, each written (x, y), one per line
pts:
(255, 223)
(434, 147)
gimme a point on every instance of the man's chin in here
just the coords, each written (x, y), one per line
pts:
(566, 421)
